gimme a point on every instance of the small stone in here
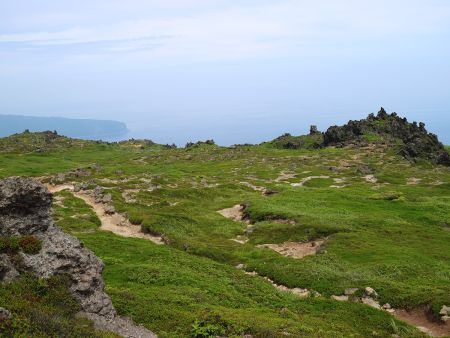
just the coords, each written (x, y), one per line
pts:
(350, 291)
(371, 292)
(240, 266)
(445, 310)
(445, 319)
(109, 209)
(98, 191)
(371, 302)
(4, 314)
(340, 298)
(107, 198)
(387, 306)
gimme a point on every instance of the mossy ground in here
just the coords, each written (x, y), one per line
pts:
(391, 235)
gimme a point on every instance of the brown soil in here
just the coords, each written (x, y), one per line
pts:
(235, 213)
(420, 319)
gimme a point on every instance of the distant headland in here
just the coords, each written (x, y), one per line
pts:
(76, 128)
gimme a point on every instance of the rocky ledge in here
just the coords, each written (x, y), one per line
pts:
(25, 210)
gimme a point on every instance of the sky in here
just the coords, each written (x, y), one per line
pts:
(234, 71)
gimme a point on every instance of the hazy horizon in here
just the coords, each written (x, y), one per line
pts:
(179, 71)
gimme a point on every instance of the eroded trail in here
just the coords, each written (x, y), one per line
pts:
(115, 222)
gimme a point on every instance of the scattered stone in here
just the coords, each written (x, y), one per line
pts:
(370, 292)
(342, 298)
(445, 310)
(387, 306)
(109, 209)
(240, 266)
(4, 314)
(371, 179)
(107, 198)
(371, 302)
(350, 291)
(364, 169)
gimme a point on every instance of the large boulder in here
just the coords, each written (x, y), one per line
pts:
(25, 207)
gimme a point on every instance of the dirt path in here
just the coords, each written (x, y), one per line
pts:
(115, 223)
(420, 319)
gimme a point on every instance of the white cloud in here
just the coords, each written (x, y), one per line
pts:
(283, 28)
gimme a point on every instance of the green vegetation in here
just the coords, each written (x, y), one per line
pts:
(43, 308)
(28, 244)
(385, 222)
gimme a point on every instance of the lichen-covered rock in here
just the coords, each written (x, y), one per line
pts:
(8, 272)
(64, 254)
(25, 207)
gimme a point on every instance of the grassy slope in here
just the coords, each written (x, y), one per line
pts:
(168, 290)
(399, 247)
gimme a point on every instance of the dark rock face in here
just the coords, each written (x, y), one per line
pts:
(25, 207)
(416, 141)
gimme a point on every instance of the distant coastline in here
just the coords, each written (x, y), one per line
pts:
(77, 128)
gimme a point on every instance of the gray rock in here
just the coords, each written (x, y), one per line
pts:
(25, 207)
(4, 314)
(109, 209)
(62, 253)
(371, 302)
(107, 198)
(8, 272)
(340, 298)
(445, 310)
(370, 292)
(122, 326)
(98, 191)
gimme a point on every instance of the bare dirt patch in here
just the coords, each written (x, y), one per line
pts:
(236, 213)
(115, 223)
(295, 250)
(420, 319)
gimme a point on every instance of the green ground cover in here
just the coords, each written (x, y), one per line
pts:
(389, 231)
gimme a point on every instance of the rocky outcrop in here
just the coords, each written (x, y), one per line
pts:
(25, 209)
(415, 141)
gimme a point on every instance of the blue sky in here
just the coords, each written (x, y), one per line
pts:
(235, 71)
